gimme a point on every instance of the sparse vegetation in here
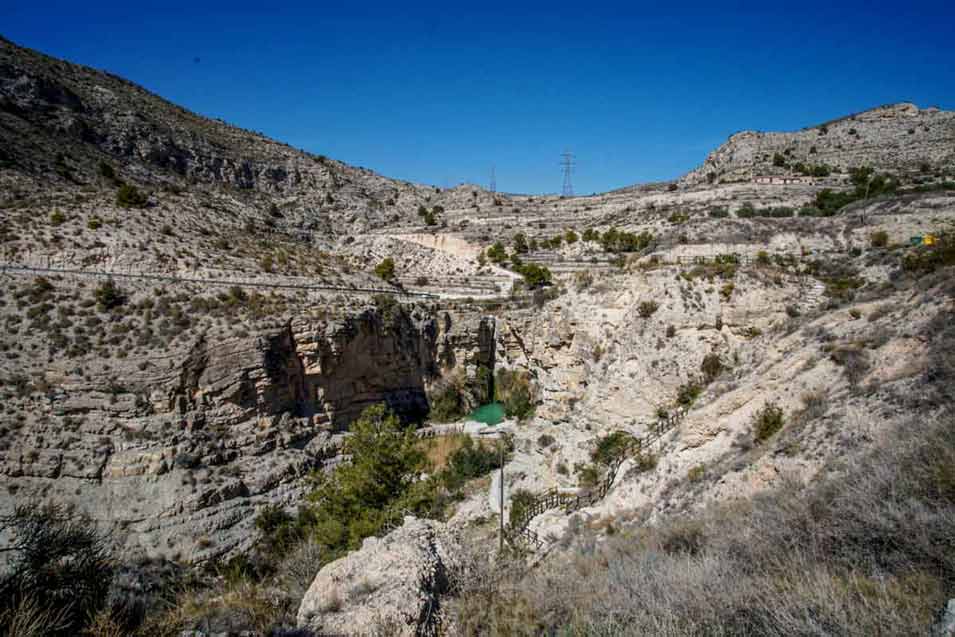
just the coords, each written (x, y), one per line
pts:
(129, 197)
(767, 422)
(646, 309)
(385, 270)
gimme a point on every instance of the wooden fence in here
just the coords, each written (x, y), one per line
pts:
(520, 536)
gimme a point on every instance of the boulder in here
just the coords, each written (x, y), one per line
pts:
(394, 585)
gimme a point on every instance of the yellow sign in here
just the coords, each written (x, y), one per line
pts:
(928, 240)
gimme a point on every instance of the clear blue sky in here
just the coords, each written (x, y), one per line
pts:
(438, 92)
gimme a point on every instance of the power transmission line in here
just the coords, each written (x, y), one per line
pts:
(567, 166)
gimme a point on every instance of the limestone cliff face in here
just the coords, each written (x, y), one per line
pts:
(180, 461)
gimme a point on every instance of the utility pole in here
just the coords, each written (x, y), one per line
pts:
(567, 166)
(501, 534)
(492, 186)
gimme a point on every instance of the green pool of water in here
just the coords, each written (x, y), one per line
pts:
(489, 414)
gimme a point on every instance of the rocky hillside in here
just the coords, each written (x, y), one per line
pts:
(194, 315)
(901, 138)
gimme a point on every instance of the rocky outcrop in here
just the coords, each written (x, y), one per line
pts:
(394, 585)
(898, 137)
(179, 457)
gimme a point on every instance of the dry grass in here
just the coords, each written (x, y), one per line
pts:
(868, 551)
(440, 448)
(30, 619)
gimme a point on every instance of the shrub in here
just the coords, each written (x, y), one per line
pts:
(521, 501)
(879, 239)
(726, 291)
(614, 240)
(647, 309)
(58, 562)
(746, 211)
(671, 331)
(470, 460)
(711, 367)
(688, 392)
(588, 475)
(719, 212)
(105, 170)
(109, 296)
(94, 223)
(496, 253)
(57, 218)
(570, 237)
(678, 218)
(520, 243)
(696, 473)
(385, 270)
(613, 448)
(129, 197)
(535, 276)
(512, 388)
(767, 421)
(447, 405)
(545, 440)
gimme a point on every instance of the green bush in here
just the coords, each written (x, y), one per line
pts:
(767, 421)
(496, 253)
(521, 501)
(879, 239)
(129, 197)
(688, 392)
(535, 276)
(469, 461)
(646, 309)
(614, 240)
(520, 243)
(385, 270)
(512, 388)
(109, 296)
(57, 218)
(613, 448)
(447, 405)
(746, 211)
